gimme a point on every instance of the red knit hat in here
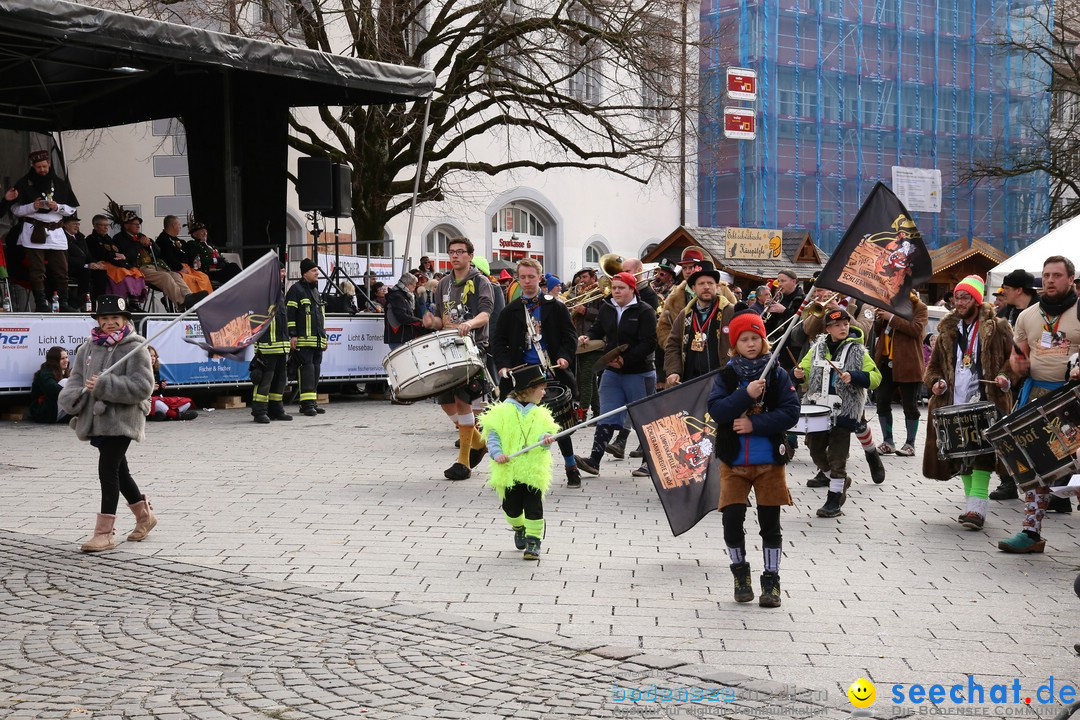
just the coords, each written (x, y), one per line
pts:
(627, 278)
(746, 321)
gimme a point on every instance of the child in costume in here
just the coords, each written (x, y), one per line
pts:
(837, 371)
(164, 407)
(521, 482)
(752, 418)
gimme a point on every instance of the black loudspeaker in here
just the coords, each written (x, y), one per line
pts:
(342, 191)
(315, 184)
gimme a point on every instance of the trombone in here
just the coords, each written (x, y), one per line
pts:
(817, 308)
(610, 266)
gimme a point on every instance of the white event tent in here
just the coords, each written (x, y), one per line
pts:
(1062, 240)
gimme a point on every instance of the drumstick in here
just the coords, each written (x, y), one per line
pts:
(791, 355)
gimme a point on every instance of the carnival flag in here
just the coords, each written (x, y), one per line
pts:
(678, 441)
(881, 256)
(237, 314)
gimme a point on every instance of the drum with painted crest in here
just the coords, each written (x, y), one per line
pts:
(1038, 443)
(961, 429)
(432, 364)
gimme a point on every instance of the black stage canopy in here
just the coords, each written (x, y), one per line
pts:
(65, 66)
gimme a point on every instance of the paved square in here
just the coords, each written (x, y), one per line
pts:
(351, 507)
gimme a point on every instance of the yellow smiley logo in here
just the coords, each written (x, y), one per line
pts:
(862, 693)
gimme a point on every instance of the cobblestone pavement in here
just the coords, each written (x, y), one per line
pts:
(134, 637)
(353, 502)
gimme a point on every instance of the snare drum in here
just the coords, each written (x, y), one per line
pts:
(1038, 442)
(961, 429)
(560, 401)
(432, 364)
(813, 418)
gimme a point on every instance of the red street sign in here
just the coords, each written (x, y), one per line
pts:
(740, 123)
(741, 84)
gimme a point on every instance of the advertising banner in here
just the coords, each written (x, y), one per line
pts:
(354, 347)
(24, 340)
(183, 363)
(740, 123)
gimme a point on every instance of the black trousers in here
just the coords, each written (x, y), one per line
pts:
(909, 393)
(113, 473)
(274, 378)
(734, 518)
(89, 282)
(524, 499)
(310, 366)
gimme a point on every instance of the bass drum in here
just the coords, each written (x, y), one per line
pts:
(432, 364)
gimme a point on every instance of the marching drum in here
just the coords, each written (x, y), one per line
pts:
(813, 418)
(432, 364)
(1038, 442)
(560, 401)
(960, 429)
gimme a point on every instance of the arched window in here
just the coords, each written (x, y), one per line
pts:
(593, 252)
(516, 234)
(435, 245)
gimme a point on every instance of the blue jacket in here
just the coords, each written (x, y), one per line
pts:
(729, 400)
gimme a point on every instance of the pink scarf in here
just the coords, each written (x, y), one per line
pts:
(104, 339)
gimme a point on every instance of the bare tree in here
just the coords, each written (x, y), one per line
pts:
(590, 84)
(1045, 54)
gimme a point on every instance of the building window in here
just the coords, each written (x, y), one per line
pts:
(584, 61)
(517, 233)
(435, 245)
(593, 252)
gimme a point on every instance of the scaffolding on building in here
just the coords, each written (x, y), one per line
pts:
(850, 88)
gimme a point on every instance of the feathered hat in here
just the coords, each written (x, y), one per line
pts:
(192, 224)
(118, 215)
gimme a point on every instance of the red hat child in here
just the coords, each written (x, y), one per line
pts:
(746, 321)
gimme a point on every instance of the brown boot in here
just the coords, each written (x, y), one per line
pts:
(103, 535)
(145, 520)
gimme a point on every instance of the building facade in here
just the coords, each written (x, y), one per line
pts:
(847, 89)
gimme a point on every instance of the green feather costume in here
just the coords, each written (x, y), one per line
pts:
(515, 431)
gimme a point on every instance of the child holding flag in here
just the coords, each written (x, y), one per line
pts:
(752, 417)
(521, 482)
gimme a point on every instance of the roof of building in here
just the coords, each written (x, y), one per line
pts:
(70, 66)
(957, 251)
(797, 251)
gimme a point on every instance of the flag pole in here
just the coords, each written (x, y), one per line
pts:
(598, 418)
(783, 338)
(246, 272)
(577, 427)
(416, 186)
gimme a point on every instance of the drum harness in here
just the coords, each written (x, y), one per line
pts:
(833, 402)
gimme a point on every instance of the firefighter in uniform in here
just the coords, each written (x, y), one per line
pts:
(307, 333)
(272, 353)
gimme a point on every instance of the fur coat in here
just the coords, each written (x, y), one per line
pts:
(995, 346)
(907, 341)
(120, 402)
